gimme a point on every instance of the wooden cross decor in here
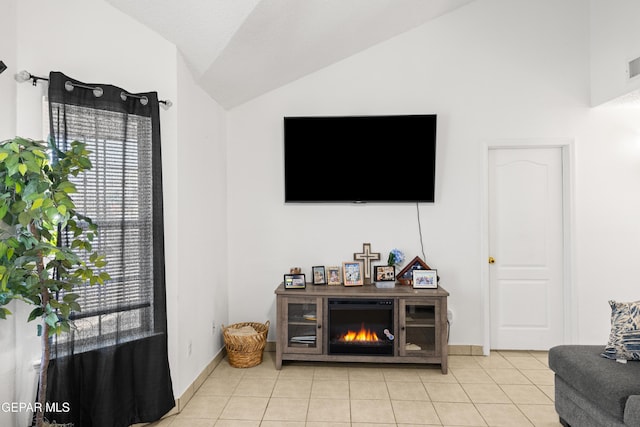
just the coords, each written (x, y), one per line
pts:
(367, 256)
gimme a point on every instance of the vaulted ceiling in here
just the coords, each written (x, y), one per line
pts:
(240, 49)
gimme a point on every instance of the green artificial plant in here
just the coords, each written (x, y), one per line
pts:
(35, 205)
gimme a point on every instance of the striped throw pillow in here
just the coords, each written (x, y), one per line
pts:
(624, 340)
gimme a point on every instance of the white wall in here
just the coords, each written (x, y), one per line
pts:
(97, 43)
(7, 130)
(615, 40)
(195, 230)
(493, 69)
(202, 279)
(7, 84)
(607, 207)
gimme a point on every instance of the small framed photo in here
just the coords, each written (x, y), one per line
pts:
(294, 281)
(333, 276)
(319, 277)
(427, 279)
(352, 273)
(384, 273)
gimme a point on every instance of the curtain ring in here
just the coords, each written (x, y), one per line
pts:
(98, 92)
(68, 86)
(144, 100)
(123, 96)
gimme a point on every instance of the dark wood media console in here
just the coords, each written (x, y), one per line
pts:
(407, 325)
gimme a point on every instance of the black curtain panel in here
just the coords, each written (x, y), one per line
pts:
(112, 369)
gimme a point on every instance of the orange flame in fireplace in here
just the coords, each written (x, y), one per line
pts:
(363, 335)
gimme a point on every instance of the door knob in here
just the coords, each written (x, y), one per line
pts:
(492, 260)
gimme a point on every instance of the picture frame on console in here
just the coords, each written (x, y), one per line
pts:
(352, 273)
(333, 275)
(318, 274)
(294, 281)
(405, 276)
(425, 279)
(384, 273)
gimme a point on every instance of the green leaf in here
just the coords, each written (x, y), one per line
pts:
(68, 298)
(36, 197)
(12, 161)
(31, 192)
(24, 218)
(36, 204)
(18, 206)
(33, 166)
(27, 156)
(51, 319)
(46, 235)
(38, 153)
(64, 327)
(53, 215)
(3, 210)
(84, 162)
(58, 196)
(67, 187)
(35, 313)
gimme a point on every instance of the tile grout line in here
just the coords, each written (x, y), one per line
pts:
(422, 381)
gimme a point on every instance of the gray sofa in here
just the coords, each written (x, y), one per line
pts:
(592, 391)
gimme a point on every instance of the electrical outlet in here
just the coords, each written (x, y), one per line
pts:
(450, 315)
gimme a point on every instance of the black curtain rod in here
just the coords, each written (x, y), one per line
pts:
(24, 76)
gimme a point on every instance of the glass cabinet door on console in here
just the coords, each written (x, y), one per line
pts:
(303, 319)
(419, 332)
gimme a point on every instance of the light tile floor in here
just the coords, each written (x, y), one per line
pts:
(507, 388)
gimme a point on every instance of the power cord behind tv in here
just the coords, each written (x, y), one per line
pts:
(424, 258)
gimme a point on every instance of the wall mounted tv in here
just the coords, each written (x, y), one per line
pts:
(378, 159)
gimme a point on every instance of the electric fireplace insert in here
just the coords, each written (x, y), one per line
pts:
(361, 326)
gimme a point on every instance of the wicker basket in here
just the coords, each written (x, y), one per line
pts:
(245, 351)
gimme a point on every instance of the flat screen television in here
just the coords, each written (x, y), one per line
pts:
(358, 159)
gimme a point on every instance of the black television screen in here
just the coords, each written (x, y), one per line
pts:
(360, 158)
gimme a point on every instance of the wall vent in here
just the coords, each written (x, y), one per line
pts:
(634, 68)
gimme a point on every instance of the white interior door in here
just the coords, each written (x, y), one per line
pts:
(526, 248)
